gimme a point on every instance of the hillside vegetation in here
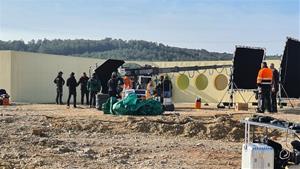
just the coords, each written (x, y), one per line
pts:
(114, 49)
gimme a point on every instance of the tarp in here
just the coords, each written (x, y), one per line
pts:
(108, 105)
(131, 105)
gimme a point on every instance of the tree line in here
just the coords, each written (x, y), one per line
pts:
(114, 49)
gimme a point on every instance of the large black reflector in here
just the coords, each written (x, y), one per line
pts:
(246, 64)
(290, 69)
(105, 70)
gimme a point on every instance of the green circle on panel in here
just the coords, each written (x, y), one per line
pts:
(201, 82)
(221, 82)
(183, 82)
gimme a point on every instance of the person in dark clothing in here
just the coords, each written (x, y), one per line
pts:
(167, 87)
(275, 88)
(94, 86)
(159, 88)
(112, 85)
(264, 83)
(59, 81)
(72, 84)
(83, 88)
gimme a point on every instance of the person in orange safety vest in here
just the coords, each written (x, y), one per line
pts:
(264, 83)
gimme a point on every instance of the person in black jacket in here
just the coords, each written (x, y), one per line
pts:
(159, 88)
(72, 84)
(275, 88)
(83, 87)
(59, 81)
(167, 87)
(112, 85)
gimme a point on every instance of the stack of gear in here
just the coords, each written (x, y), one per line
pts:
(131, 105)
(4, 97)
(282, 157)
(295, 157)
(276, 122)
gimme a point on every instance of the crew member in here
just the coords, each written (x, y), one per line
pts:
(159, 88)
(149, 89)
(59, 81)
(167, 87)
(275, 88)
(94, 86)
(264, 82)
(112, 85)
(83, 88)
(120, 86)
(72, 84)
(127, 83)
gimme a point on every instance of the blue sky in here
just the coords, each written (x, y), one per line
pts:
(215, 25)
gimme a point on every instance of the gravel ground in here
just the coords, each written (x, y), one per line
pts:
(50, 136)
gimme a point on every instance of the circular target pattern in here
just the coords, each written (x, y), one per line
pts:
(221, 82)
(201, 82)
(183, 82)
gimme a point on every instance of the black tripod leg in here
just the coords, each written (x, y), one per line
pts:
(288, 97)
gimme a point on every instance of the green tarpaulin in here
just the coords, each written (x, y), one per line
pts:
(131, 105)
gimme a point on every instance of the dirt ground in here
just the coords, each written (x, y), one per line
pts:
(51, 136)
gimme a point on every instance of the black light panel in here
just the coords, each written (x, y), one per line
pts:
(246, 64)
(290, 69)
(104, 71)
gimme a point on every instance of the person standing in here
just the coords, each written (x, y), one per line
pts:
(112, 85)
(83, 88)
(59, 81)
(264, 82)
(149, 89)
(127, 83)
(275, 88)
(159, 88)
(94, 86)
(72, 84)
(167, 87)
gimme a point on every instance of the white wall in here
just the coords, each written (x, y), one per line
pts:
(28, 77)
(5, 70)
(33, 75)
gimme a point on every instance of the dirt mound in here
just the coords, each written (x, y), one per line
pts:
(220, 128)
(194, 128)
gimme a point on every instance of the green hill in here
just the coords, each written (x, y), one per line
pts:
(113, 48)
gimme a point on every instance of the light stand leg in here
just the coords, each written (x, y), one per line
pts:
(230, 90)
(288, 97)
(222, 99)
(241, 95)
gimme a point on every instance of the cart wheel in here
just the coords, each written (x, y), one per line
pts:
(169, 107)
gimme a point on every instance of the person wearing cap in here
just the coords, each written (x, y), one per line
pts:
(72, 84)
(275, 88)
(264, 83)
(59, 81)
(94, 86)
(112, 85)
(83, 88)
